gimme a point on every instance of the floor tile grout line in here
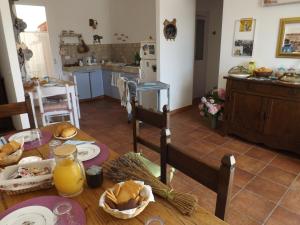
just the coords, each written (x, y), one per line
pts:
(281, 199)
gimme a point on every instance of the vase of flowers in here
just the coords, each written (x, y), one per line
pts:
(212, 106)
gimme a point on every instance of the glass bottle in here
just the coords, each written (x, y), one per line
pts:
(251, 67)
(68, 174)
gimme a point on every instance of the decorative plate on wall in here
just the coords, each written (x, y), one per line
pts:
(170, 29)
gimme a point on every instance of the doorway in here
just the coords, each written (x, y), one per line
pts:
(208, 46)
(200, 56)
(36, 38)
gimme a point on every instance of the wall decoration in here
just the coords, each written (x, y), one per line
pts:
(288, 45)
(279, 2)
(93, 23)
(97, 39)
(244, 37)
(170, 29)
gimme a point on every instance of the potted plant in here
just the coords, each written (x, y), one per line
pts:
(212, 106)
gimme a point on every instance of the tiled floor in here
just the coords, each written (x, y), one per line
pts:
(267, 182)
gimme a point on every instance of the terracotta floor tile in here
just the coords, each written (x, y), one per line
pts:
(219, 152)
(296, 184)
(282, 216)
(241, 177)
(252, 205)
(277, 175)
(237, 146)
(249, 164)
(292, 201)
(286, 163)
(266, 189)
(216, 139)
(202, 146)
(261, 154)
(235, 217)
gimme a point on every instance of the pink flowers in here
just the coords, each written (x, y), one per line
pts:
(213, 103)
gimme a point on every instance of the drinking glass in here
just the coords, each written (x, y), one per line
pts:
(53, 145)
(63, 213)
(156, 220)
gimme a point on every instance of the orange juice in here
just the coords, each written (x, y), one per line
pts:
(68, 178)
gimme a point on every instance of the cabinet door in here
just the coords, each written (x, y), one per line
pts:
(106, 75)
(96, 83)
(283, 120)
(246, 112)
(83, 85)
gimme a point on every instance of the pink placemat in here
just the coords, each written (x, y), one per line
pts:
(50, 202)
(46, 138)
(98, 160)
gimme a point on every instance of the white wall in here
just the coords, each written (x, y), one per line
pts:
(209, 75)
(74, 15)
(267, 27)
(134, 18)
(9, 65)
(176, 58)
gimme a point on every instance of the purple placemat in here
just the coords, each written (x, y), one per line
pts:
(46, 137)
(50, 202)
(101, 158)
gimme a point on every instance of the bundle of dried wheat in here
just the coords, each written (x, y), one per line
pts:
(130, 166)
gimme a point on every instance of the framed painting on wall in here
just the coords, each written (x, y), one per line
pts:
(279, 2)
(244, 37)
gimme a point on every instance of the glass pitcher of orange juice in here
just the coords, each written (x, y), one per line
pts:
(68, 174)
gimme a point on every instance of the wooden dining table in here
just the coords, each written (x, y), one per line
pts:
(89, 199)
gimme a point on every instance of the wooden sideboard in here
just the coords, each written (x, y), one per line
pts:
(266, 112)
(5, 123)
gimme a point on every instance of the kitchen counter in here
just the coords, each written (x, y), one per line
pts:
(115, 67)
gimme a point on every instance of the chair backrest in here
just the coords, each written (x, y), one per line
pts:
(156, 119)
(46, 92)
(18, 108)
(219, 180)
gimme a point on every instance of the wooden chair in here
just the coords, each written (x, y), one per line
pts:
(13, 109)
(219, 180)
(156, 119)
(60, 107)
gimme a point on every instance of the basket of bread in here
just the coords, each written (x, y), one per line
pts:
(27, 177)
(65, 131)
(11, 152)
(262, 72)
(127, 199)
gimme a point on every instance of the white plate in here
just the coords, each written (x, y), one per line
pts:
(30, 159)
(31, 215)
(86, 152)
(27, 135)
(67, 138)
(240, 75)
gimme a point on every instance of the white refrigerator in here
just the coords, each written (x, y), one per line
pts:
(148, 72)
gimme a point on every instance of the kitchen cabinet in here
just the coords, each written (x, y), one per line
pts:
(264, 112)
(109, 90)
(89, 84)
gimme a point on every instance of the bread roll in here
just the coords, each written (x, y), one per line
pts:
(59, 129)
(15, 145)
(2, 155)
(129, 190)
(8, 149)
(68, 132)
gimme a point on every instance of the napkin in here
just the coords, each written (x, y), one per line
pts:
(78, 142)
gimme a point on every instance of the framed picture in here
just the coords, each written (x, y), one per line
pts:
(279, 2)
(288, 45)
(244, 37)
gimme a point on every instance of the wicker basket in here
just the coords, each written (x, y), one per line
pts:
(41, 186)
(14, 157)
(24, 185)
(128, 214)
(262, 74)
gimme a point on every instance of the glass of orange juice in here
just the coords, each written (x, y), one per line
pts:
(68, 174)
